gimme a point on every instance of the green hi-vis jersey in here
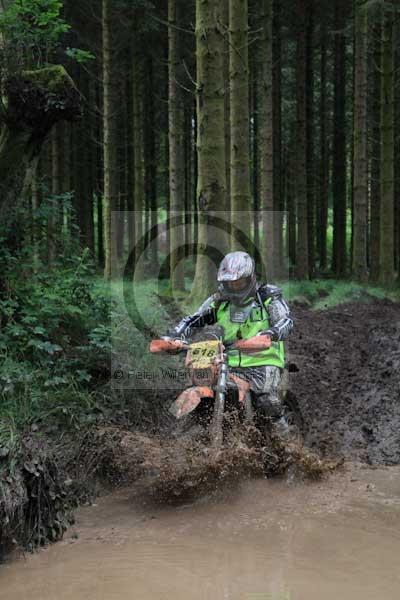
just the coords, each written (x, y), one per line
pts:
(256, 321)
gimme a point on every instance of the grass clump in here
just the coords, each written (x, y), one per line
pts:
(326, 293)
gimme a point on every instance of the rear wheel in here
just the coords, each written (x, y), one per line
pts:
(293, 416)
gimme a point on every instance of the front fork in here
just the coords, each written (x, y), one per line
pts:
(216, 430)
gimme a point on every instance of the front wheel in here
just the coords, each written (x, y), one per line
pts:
(216, 431)
(188, 428)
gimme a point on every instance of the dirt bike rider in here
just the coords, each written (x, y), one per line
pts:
(245, 308)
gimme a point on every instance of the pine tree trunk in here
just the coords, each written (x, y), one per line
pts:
(255, 148)
(121, 170)
(151, 163)
(396, 36)
(35, 229)
(310, 136)
(139, 201)
(90, 166)
(291, 205)
(324, 154)
(360, 145)
(188, 180)
(211, 184)
(339, 185)
(387, 151)
(375, 155)
(266, 136)
(302, 263)
(130, 175)
(53, 228)
(279, 204)
(239, 117)
(176, 149)
(66, 175)
(98, 174)
(227, 106)
(109, 143)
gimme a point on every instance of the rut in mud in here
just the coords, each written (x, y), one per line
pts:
(345, 378)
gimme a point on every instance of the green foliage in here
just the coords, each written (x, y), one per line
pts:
(34, 24)
(80, 56)
(326, 293)
(54, 342)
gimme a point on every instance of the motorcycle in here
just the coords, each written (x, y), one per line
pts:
(207, 363)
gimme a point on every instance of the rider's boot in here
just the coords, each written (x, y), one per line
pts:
(280, 426)
(272, 409)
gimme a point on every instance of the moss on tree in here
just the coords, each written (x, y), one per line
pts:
(34, 102)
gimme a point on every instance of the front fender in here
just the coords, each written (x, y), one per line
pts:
(189, 400)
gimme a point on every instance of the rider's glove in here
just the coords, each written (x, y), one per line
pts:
(270, 333)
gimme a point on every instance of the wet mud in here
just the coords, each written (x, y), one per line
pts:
(271, 539)
(174, 469)
(344, 368)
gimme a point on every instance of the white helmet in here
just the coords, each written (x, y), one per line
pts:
(237, 276)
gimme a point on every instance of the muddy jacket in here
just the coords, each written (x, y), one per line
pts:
(268, 313)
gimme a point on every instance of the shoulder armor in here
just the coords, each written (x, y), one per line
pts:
(211, 302)
(269, 291)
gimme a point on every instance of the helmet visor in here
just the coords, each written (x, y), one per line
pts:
(238, 285)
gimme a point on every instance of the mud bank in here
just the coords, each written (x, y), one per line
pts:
(345, 377)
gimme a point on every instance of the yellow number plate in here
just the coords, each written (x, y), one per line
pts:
(204, 353)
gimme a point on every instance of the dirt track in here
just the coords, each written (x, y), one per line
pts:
(345, 375)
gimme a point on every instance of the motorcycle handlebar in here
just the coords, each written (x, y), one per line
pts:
(171, 345)
(168, 345)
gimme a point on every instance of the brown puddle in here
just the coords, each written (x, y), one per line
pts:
(266, 540)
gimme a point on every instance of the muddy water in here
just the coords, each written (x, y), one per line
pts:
(262, 540)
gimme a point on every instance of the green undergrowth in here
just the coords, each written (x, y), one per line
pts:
(318, 294)
(323, 294)
(54, 343)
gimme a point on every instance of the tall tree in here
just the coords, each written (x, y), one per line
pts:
(151, 158)
(387, 149)
(310, 164)
(396, 36)
(339, 178)
(53, 225)
(375, 134)
(239, 114)
(176, 147)
(109, 141)
(211, 183)
(266, 133)
(138, 150)
(278, 178)
(225, 21)
(324, 148)
(302, 259)
(360, 185)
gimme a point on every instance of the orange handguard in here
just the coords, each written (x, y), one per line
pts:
(157, 346)
(254, 344)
